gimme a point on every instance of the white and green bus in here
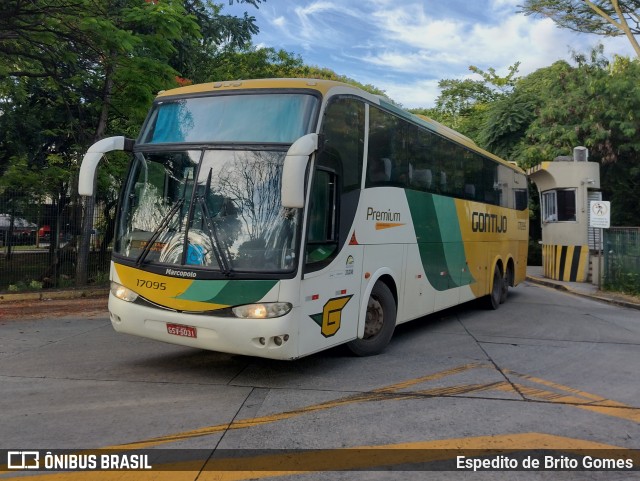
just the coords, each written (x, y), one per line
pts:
(277, 218)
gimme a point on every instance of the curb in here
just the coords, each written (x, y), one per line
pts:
(564, 288)
(54, 294)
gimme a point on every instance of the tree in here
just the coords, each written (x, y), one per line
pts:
(218, 33)
(462, 104)
(601, 17)
(72, 71)
(594, 104)
(591, 102)
(249, 62)
(507, 120)
(266, 62)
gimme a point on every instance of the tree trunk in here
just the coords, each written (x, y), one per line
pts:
(84, 244)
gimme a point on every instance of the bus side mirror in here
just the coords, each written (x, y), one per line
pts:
(86, 180)
(294, 170)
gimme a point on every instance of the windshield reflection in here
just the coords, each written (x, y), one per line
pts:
(228, 219)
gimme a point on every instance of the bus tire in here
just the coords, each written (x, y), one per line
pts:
(380, 322)
(506, 282)
(492, 300)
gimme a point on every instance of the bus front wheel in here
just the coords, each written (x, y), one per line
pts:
(379, 324)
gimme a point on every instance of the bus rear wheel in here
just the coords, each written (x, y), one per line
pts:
(379, 324)
(492, 301)
(506, 282)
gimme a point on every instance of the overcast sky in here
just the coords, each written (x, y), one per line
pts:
(406, 46)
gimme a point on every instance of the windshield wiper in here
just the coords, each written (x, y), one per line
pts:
(218, 247)
(164, 222)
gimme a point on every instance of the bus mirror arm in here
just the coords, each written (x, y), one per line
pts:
(86, 180)
(294, 170)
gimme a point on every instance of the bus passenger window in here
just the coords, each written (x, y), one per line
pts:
(421, 178)
(378, 170)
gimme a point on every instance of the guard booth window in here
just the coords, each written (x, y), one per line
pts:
(559, 205)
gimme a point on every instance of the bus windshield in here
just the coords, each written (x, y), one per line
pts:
(247, 118)
(213, 209)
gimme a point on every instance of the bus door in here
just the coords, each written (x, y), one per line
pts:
(330, 294)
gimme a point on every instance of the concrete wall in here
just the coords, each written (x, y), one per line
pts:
(566, 243)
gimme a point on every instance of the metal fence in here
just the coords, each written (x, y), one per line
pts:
(622, 259)
(39, 245)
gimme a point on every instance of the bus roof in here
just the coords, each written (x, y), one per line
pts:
(324, 86)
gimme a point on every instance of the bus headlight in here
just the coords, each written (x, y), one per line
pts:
(122, 292)
(265, 310)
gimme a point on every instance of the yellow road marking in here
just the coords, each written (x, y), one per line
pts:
(432, 377)
(561, 394)
(571, 396)
(385, 393)
(580, 399)
(466, 389)
(544, 382)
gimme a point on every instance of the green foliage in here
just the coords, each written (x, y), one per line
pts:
(503, 84)
(25, 286)
(316, 72)
(463, 104)
(250, 62)
(74, 71)
(536, 118)
(506, 122)
(92, 64)
(594, 104)
(584, 16)
(619, 277)
(459, 98)
(601, 17)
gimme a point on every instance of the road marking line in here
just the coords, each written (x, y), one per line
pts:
(433, 377)
(544, 382)
(381, 394)
(563, 395)
(575, 398)
(579, 399)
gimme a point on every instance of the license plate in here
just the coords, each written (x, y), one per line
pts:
(180, 330)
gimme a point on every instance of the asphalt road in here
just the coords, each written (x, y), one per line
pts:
(548, 370)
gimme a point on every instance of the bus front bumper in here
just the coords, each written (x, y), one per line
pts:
(269, 338)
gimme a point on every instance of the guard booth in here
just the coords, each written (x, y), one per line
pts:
(566, 187)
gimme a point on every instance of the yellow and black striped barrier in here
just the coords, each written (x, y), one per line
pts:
(566, 263)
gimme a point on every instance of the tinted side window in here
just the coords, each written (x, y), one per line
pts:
(392, 144)
(343, 150)
(404, 154)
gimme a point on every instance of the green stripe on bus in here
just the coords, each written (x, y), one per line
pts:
(435, 221)
(229, 293)
(453, 245)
